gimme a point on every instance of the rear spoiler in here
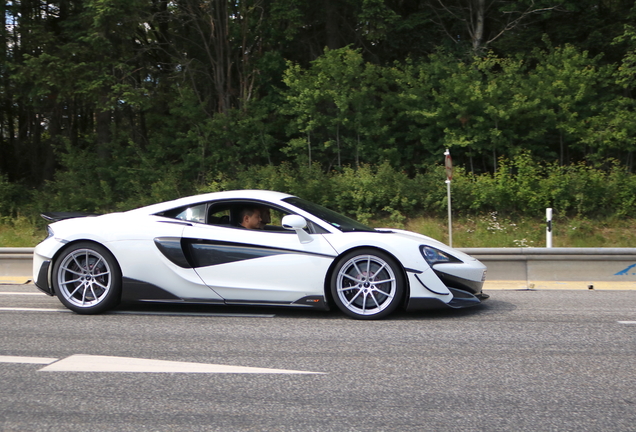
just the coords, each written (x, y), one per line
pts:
(58, 216)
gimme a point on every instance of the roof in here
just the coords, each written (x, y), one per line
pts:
(264, 195)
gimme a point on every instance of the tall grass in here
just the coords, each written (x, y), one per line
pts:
(493, 230)
(21, 232)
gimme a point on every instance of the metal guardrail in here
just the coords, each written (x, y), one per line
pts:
(552, 253)
(519, 267)
(18, 251)
(16, 262)
(559, 268)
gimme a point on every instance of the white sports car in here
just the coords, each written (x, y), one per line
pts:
(197, 250)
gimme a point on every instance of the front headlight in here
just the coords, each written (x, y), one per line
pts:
(436, 256)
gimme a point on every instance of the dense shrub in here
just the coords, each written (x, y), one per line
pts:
(12, 197)
(520, 187)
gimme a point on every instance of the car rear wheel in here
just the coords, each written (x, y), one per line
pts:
(367, 284)
(87, 278)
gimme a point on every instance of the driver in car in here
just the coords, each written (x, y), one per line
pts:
(250, 218)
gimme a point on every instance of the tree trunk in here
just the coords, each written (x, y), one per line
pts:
(102, 127)
(309, 147)
(223, 69)
(338, 145)
(358, 151)
(331, 24)
(478, 25)
(561, 145)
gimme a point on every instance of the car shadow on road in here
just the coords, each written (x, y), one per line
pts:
(489, 307)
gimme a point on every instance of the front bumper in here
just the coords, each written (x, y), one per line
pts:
(453, 285)
(461, 299)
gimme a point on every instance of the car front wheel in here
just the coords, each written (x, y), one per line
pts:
(367, 284)
(87, 278)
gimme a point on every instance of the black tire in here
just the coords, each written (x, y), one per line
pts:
(367, 284)
(87, 278)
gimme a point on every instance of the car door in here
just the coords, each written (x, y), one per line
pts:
(258, 266)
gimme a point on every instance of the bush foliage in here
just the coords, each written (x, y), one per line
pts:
(521, 186)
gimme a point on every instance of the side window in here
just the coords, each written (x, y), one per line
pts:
(272, 219)
(219, 216)
(193, 214)
(230, 214)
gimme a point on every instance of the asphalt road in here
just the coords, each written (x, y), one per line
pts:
(522, 361)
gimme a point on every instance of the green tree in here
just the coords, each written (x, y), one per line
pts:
(571, 88)
(334, 104)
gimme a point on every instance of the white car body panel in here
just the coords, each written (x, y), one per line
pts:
(141, 260)
(281, 277)
(278, 279)
(428, 285)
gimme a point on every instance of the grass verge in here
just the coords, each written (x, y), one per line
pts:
(21, 232)
(480, 231)
(494, 231)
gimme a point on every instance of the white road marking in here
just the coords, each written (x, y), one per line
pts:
(21, 293)
(18, 309)
(627, 322)
(94, 363)
(176, 314)
(27, 360)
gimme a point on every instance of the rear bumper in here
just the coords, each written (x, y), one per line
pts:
(43, 255)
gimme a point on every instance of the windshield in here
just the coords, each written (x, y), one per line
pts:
(334, 219)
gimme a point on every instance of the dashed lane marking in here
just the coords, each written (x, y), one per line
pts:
(175, 314)
(559, 285)
(97, 363)
(21, 293)
(26, 360)
(22, 309)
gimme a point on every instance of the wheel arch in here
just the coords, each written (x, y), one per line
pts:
(57, 254)
(334, 263)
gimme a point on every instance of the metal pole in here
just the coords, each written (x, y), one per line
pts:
(448, 165)
(548, 228)
(450, 223)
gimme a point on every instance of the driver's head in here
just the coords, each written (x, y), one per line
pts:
(250, 218)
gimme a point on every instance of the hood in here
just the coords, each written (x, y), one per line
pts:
(431, 242)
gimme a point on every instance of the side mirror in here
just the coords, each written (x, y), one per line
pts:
(294, 222)
(297, 223)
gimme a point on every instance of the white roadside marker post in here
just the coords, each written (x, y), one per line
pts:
(548, 228)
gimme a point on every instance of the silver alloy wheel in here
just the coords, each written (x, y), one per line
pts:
(84, 278)
(366, 285)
